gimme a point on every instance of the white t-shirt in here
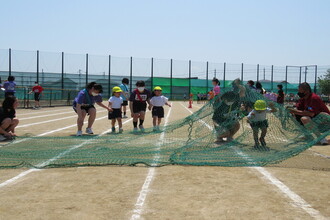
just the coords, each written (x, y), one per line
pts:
(258, 116)
(116, 101)
(158, 100)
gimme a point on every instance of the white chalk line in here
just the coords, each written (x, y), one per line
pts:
(47, 162)
(35, 112)
(297, 200)
(43, 116)
(138, 208)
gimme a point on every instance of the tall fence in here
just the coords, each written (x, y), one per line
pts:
(66, 73)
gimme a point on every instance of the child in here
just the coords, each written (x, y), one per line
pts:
(115, 105)
(37, 89)
(258, 120)
(280, 96)
(138, 104)
(216, 86)
(125, 94)
(9, 86)
(8, 120)
(158, 101)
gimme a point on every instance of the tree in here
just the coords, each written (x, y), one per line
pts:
(324, 83)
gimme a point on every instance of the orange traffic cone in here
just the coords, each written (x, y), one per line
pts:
(190, 103)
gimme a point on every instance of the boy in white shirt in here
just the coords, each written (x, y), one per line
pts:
(115, 105)
(158, 101)
(258, 120)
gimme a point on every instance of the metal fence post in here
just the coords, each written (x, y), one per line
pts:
(242, 72)
(171, 80)
(189, 77)
(38, 66)
(315, 87)
(9, 62)
(152, 73)
(86, 68)
(272, 78)
(224, 76)
(131, 74)
(286, 79)
(207, 77)
(257, 72)
(109, 77)
(62, 71)
(306, 73)
(300, 75)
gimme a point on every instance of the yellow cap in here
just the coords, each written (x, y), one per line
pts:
(116, 89)
(158, 88)
(260, 105)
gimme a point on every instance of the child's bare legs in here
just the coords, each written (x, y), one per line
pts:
(13, 125)
(113, 122)
(120, 124)
(159, 121)
(154, 121)
(135, 119)
(256, 135)
(263, 135)
(233, 131)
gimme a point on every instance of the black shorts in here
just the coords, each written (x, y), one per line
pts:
(125, 103)
(115, 114)
(37, 96)
(9, 93)
(139, 107)
(158, 111)
(84, 107)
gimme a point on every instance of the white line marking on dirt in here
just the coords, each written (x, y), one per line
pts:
(42, 116)
(47, 162)
(40, 112)
(138, 208)
(286, 191)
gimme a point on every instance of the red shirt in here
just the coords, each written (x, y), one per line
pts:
(37, 89)
(313, 104)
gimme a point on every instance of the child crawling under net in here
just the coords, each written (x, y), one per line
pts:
(257, 119)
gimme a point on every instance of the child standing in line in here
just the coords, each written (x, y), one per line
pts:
(138, 104)
(115, 105)
(158, 101)
(10, 86)
(258, 120)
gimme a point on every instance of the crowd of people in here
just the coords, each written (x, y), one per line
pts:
(226, 107)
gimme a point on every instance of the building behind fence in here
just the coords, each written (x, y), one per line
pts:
(63, 74)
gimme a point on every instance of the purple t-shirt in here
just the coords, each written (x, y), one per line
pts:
(82, 99)
(9, 86)
(145, 95)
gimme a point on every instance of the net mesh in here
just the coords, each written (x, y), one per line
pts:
(188, 141)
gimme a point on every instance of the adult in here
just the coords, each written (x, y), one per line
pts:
(10, 86)
(308, 107)
(259, 88)
(37, 89)
(124, 94)
(239, 88)
(250, 83)
(84, 104)
(280, 94)
(8, 120)
(216, 86)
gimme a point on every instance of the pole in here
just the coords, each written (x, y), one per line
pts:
(62, 81)
(86, 68)
(215, 73)
(152, 73)
(224, 75)
(286, 79)
(9, 61)
(272, 78)
(257, 72)
(109, 77)
(315, 87)
(207, 77)
(38, 66)
(300, 75)
(171, 76)
(264, 73)
(305, 73)
(242, 71)
(189, 77)
(131, 73)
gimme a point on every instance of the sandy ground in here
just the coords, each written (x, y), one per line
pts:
(176, 192)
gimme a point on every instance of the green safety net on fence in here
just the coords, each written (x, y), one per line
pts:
(189, 141)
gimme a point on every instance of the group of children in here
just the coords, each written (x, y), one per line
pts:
(138, 101)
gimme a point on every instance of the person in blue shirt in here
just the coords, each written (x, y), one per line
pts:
(84, 104)
(9, 86)
(125, 94)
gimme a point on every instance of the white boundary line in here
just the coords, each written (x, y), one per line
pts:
(138, 208)
(286, 191)
(35, 112)
(47, 162)
(42, 116)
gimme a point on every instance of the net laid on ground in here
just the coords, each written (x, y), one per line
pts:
(189, 141)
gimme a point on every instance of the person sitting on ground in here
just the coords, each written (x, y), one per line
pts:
(8, 120)
(37, 89)
(84, 104)
(10, 86)
(309, 106)
(125, 94)
(226, 116)
(280, 94)
(258, 120)
(259, 88)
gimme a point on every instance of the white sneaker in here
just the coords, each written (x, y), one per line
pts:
(125, 116)
(324, 141)
(121, 130)
(79, 133)
(89, 131)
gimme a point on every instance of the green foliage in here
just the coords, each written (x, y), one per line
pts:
(324, 83)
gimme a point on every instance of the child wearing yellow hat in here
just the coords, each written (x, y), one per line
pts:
(258, 120)
(158, 101)
(115, 105)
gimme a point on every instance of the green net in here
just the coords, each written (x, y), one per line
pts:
(189, 141)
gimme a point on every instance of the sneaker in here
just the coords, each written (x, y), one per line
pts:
(121, 130)
(324, 141)
(141, 128)
(155, 128)
(89, 131)
(219, 141)
(135, 130)
(2, 138)
(229, 139)
(79, 133)
(125, 116)
(113, 130)
(263, 142)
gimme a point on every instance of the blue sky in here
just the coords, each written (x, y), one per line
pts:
(279, 32)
